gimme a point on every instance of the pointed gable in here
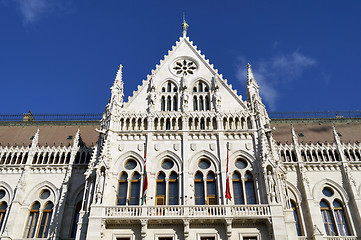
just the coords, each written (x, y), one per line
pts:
(184, 66)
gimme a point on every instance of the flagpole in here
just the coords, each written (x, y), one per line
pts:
(145, 183)
(228, 192)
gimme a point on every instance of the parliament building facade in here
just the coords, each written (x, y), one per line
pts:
(184, 158)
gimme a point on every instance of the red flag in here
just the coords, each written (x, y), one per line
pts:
(145, 185)
(228, 192)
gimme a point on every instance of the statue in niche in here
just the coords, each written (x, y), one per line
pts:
(217, 98)
(100, 188)
(152, 98)
(185, 97)
(271, 187)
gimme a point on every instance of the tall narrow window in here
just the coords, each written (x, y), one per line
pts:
(175, 103)
(211, 189)
(342, 225)
(327, 218)
(201, 105)
(206, 99)
(32, 220)
(122, 189)
(134, 189)
(169, 103)
(199, 189)
(162, 104)
(237, 188)
(195, 105)
(160, 196)
(76, 219)
(3, 207)
(45, 220)
(249, 186)
(173, 189)
(296, 216)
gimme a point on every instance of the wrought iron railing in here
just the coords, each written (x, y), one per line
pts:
(97, 116)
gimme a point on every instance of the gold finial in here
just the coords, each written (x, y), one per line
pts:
(184, 26)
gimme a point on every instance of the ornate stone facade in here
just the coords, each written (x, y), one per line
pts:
(158, 166)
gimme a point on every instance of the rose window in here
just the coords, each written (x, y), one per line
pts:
(184, 67)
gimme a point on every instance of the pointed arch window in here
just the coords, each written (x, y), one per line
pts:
(169, 103)
(249, 186)
(296, 216)
(45, 220)
(76, 219)
(238, 192)
(211, 189)
(160, 193)
(195, 104)
(199, 189)
(207, 102)
(173, 189)
(134, 189)
(327, 218)
(32, 220)
(3, 207)
(122, 189)
(201, 105)
(175, 103)
(162, 104)
(342, 225)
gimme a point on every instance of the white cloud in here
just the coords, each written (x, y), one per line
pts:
(274, 72)
(33, 10)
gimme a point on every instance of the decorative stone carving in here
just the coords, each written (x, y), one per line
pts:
(176, 146)
(140, 147)
(156, 147)
(193, 146)
(120, 147)
(212, 146)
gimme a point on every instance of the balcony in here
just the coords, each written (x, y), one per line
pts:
(191, 212)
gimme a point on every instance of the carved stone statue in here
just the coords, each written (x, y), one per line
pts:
(217, 98)
(271, 187)
(152, 98)
(100, 188)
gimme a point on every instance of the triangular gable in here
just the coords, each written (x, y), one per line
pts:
(163, 71)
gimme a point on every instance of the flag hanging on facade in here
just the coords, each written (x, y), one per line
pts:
(228, 191)
(145, 185)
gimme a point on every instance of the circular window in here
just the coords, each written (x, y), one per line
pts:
(241, 164)
(44, 194)
(2, 193)
(204, 164)
(130, 164)
(167, 164)
(183, 67)
(328, 192)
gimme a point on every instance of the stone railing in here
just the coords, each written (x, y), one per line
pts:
(204, 211)
(341, 238)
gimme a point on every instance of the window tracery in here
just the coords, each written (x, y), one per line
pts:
(205, 184)
(167, 189)
(201, 96)
(169, 97)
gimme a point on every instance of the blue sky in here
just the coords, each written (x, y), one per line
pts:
(62, 56)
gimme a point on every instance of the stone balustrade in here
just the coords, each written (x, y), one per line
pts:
(204, 211)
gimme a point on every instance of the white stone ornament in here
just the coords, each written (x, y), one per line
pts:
(212, 146)
(140, 147)
(248, 146)
(156, 147)
(176, 146)
(120, 147)
(193, 146)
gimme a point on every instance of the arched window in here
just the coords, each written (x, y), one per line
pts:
(327, 218)
(199, 189)
(296, 216)
(173, 189)
(122, 189)
(162, 104)
(160, 193)
(3, 207)
(249, 186)
(134, 189)
(169, 104)
(76, 219)
(169, 87)
(237, 188)
(195, 105)
(207, 102)
(342, 225)
(211, 189)
(45, 220)
(201, 106)
(175, 103)
(32, 220)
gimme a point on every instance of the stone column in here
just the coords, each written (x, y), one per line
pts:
(229, 228)
(186, 229)
(143, 228)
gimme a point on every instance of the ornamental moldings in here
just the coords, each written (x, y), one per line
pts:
(183, 66)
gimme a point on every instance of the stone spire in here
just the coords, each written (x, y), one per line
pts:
(184, 26)
(294, 135)
(117, 93)
(336, 136)
(250, 76)
(35, 140)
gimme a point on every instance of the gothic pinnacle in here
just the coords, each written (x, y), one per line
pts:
(250, 75)
(184, 26)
